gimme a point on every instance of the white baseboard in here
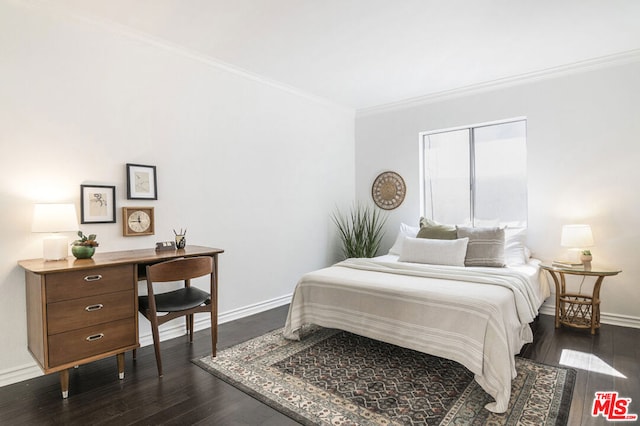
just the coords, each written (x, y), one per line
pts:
(17, 374)
(202, 322)
(605, 318)
(28, 371)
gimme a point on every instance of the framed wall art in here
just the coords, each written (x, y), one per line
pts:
(141, 182)
(97, 204)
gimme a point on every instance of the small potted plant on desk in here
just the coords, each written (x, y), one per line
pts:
(85, 246)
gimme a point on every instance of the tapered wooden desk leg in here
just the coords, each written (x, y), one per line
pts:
(120, 365)
(64, 382)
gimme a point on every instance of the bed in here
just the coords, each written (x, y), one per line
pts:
(477, 316)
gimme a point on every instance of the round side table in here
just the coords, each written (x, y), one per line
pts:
(577, 309)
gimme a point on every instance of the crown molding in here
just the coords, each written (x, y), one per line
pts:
(617, 59)
(178, 50)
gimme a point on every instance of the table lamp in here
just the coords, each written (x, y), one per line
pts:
(54, 218)
(576, 238)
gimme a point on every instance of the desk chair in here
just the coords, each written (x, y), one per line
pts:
(182, 302)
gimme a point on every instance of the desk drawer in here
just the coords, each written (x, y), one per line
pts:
(78, 313)
(89, 341)
(88, 282)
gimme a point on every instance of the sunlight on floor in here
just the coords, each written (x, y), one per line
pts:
(589, 362)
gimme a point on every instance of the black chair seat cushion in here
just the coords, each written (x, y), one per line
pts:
(177, 300)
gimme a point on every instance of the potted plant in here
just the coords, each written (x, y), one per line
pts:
(585, 257)
(361, 231)
(84, 247)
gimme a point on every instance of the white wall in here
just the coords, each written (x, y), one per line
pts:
(246, 166)
(583, 163)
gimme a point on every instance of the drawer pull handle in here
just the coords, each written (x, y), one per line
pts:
(90, 278)
(95, 337)
(92, 308)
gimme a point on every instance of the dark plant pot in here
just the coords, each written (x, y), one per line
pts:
(83, 252)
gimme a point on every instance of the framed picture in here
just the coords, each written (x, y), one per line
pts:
(97, 204)
(141, 182)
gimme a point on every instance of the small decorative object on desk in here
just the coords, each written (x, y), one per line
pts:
(85, 247)
(181, 239)
(166, 246)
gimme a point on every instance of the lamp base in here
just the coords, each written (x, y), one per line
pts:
(55, 248)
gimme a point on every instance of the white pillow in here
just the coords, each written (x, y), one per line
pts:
(434, 252)
(515, 252)
(405, 231)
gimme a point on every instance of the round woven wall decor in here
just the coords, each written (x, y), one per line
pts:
(388, 190)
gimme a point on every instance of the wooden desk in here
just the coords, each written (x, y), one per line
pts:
(83, 310)
(576, 309)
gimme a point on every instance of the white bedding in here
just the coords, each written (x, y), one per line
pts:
(476, 316)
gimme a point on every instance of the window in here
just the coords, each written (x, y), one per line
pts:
(476, 175)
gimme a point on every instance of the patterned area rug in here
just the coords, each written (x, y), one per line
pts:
(332, 377)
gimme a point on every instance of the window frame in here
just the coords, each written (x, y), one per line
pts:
(422, 142)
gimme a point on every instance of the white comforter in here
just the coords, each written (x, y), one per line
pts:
(478, 317)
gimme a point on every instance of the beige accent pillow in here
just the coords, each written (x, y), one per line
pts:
(434, 252)
(485, 247)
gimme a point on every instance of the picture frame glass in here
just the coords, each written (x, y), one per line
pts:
(141, 182)
(97, 204)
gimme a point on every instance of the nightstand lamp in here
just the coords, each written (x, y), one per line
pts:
(55, 218)
(576, 238)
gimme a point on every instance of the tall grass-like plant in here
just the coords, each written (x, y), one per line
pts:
(361, 230)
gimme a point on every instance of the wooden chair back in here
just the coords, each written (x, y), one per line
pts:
(180, 269)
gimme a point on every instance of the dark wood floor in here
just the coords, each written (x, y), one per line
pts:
(189, 395)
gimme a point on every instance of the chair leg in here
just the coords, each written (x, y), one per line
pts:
(156, 343)
(190, 321)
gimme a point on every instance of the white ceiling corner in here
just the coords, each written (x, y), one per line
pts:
(366, 53)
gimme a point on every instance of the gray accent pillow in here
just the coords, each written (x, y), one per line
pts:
(485, 247)
(436, 231)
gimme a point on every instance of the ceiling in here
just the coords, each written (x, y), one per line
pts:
(364, 53)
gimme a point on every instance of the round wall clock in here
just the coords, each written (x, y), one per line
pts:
(137, 221)
(388, 190)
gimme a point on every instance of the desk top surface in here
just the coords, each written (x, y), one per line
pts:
(41, 266)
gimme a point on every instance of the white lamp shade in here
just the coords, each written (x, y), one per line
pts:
(54, 218)
(576, 236)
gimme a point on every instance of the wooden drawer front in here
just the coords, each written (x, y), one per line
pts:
(78, 313)
(88, 282)
(86, 342)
